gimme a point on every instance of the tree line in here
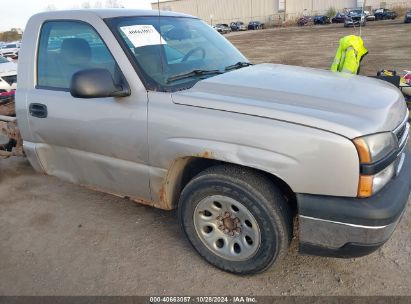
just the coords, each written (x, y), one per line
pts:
(11, 35)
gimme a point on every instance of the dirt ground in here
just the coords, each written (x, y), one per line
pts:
(388, 43)
(61, 239)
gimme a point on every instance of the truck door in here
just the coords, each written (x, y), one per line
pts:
(99, 142)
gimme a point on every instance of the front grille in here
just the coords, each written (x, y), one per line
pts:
(10, 79)
(402, 133)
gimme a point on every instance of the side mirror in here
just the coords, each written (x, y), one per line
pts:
(96, 83)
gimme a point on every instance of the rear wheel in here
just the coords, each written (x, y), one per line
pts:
(236, 219)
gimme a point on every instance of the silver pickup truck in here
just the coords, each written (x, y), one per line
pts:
(159, 108)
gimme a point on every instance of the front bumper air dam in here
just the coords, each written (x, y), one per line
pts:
(352, 227)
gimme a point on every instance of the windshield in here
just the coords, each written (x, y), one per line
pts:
(172, 53)
(10, 46)
(358, 12)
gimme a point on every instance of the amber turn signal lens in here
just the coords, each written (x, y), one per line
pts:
(365, 186)
(363, 151)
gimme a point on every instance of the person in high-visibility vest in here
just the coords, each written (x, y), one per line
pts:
(349, 55)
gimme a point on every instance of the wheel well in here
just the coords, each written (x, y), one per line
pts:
(195, 165)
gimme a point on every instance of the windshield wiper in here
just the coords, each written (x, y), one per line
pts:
(238, 65)
(192, 74)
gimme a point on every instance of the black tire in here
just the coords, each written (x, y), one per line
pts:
(263, 200)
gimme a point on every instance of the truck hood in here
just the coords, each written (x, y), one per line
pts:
(8, 68)
(349, 105)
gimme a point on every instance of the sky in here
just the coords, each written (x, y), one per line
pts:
(15, 13)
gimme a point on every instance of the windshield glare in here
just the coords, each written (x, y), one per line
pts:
(184, 45)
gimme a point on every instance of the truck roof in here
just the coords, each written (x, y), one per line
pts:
(109, 13)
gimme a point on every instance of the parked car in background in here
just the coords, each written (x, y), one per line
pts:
(355, 18)
(385, 14)
(339, 18)
(238, 26)
(322, 19)
(408, 17)
(305, 20)
(255, 25)
(369, 16)
(8, 75)
(10, 50)
(226, 27)
(222, 28)
(358, 11)
(6, 95)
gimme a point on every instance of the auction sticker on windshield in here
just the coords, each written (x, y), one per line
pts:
(142, 35)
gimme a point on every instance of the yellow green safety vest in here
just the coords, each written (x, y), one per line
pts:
(349, 55)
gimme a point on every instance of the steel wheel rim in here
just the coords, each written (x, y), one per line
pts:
(227, 228)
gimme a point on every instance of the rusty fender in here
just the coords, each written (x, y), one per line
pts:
(173, 178)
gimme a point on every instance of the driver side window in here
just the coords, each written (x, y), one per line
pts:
(67, 47)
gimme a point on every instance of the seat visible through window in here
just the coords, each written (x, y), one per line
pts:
(67, 47)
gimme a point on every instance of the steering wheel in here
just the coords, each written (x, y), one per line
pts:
(191, 52)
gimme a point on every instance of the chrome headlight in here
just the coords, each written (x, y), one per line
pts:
(372, 149)
(383, 177)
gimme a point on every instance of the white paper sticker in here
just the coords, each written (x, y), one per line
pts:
(142, 35)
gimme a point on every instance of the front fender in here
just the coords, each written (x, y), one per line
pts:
(308, 159)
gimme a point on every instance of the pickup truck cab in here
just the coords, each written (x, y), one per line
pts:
(161, 109)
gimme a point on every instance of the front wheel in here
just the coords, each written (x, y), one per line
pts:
(236, 219)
